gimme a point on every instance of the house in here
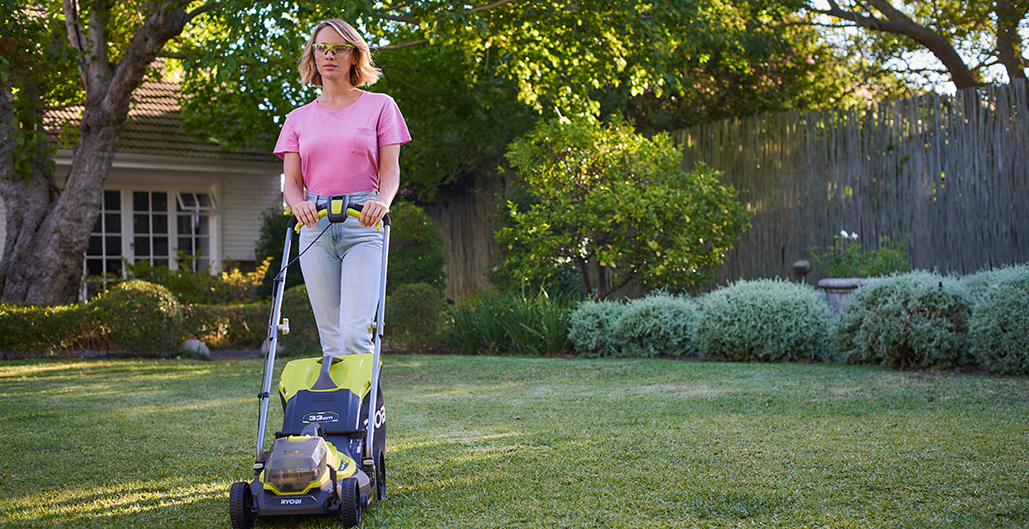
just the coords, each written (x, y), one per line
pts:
(167, 192)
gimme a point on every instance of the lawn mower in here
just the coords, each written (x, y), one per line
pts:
(328, 458)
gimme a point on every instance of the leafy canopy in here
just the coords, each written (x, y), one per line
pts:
(607, 196)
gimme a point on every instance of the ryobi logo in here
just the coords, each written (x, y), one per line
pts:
(293, 452)
(321, 416)
(380, 418)
(291, 501)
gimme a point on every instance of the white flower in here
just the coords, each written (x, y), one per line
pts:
(843, 233)
(853, 235)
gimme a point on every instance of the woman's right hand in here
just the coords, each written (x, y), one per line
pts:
(306, 213)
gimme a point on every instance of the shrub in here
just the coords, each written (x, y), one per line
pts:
(764, 321)
(999, 327)
(201, 286)
(845, 258)
(415, 314)
(495, 322)
(656, 325)
(591, 328)
(303, 339)
(33, 329)
(226, 327)
(138, 316)
(270, 243)
(982, 282)
(416, 250)
(911, 321)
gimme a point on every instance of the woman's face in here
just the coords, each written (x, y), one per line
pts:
(333, 64)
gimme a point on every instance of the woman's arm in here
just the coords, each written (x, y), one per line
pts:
(389, 184)
(293, 191)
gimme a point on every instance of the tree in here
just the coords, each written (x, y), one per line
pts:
(471, 79)
(113, 46)
(966, 37)
(610, 198)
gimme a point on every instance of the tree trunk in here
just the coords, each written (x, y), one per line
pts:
(48, 231)
(1009, 43)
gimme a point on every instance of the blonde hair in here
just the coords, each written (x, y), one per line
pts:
(363, 73)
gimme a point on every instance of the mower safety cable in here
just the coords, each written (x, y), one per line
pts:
(280, 277)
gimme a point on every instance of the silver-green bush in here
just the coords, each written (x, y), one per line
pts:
(656, 325)
(999, 327)
(911, 321)
(766, 320)
(982, 282)
(591, 329)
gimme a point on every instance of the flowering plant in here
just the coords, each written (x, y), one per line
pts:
(845, 258)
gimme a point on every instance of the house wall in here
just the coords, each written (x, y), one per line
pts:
(242, 192)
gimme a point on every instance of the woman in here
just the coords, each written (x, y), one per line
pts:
(346, 141)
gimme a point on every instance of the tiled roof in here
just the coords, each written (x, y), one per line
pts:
(155, 128)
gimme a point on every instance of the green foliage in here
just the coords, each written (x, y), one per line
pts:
(763, 321)
(999, 326)
(201, 286)
(607, 195)
(226, 327)
(47, 330)
(415, 315)
(270, 243)
(139, 317)
(845, 258)
(985, 281)
(495, 322)
(416, 250)
(303, 339)
(666, 64)
(657, 325)
(591, 328)
(911, 321)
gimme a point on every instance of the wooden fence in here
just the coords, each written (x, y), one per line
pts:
(950, 171)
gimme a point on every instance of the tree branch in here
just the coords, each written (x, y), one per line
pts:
(900, 24)
(487, 7)
(1009, 42)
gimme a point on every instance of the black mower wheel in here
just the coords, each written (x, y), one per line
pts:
(380, 473)
(241, 504)
(350, 502)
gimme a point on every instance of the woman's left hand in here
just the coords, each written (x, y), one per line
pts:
(372, 213)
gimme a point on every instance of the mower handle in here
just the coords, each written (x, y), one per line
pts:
(353, 211)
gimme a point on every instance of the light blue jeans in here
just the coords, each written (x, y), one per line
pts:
(341, 270)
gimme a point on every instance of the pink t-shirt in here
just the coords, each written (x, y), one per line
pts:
(339, 149)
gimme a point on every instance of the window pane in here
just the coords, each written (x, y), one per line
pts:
(160, 223)
(185, 225)
(205, 200)
(96, 246)
(188, 201)
(141, 224)
(112, 223)
(113, 245)
(186, 244)
(99, 226)
(160, 262)
(203, 224)
(114, 266)
(142, 247)
(112, 200)
(94, 267)
(160, 202)
(202, 265)
(140, 201)
(160, 247)
(202, 246)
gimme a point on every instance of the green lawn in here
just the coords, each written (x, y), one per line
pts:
(512, 442)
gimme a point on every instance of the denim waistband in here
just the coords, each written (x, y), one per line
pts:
(359, 197)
